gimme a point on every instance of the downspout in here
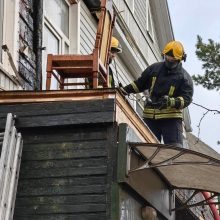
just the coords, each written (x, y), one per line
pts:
(212, 206)
(38, 24)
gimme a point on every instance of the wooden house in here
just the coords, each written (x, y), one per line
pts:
(82, 149)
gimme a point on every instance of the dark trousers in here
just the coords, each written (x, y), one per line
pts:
(169, 129)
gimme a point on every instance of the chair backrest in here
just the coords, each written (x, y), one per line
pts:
(104, 30)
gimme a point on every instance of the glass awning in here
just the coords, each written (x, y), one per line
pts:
(183, 168)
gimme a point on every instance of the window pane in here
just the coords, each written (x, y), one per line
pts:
(1, 26)
(58, 12)
(51, 42)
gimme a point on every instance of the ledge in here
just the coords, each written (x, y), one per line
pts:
(121, 112)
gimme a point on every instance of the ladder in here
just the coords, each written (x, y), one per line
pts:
(10, 158)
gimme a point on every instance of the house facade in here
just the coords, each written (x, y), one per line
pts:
(31, 29)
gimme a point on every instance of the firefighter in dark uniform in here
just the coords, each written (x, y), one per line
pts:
(115, 48)
(170, 90)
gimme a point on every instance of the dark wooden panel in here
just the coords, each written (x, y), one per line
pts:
(51, 155)
(66, 171)
(51, 108)
(93, 216)
(61, 172)
(60, 113)
(93, 144)
(62, 135)
(62, 190)
(65, 163)
(48, 209)
(56, 199)
(67, 119)
(65, 181)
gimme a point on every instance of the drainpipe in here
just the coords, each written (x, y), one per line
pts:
(212, 206)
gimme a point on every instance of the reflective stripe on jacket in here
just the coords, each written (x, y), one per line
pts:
(159, 81)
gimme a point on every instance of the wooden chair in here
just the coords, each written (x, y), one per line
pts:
(93, 67)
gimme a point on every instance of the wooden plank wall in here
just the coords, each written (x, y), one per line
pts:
(27, 52)
(59, 113)
(66, 168)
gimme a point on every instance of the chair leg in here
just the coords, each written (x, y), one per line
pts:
(49, 71)
(95, 80)
(61, 83)
(106, 83)
(48, 81)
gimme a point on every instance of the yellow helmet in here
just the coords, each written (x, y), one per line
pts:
(115, 45)
(175, 49)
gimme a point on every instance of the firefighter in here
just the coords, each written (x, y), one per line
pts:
(115, 48)
(170, 90)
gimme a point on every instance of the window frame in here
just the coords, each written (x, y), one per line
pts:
(2, 13)
(130, 5)
(149, 20)
(10, 36)
(57, 31)
(63, 39)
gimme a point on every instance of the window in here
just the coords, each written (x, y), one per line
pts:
(58, 12)
(1, 26)
(56, 33)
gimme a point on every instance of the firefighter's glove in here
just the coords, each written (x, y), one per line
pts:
(166, 102)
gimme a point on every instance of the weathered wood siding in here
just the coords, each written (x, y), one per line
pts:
(6, 83)
(88, 28)
(30, 42)
(27, 65)
(67, 161)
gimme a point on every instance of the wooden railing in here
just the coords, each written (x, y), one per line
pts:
(11, 148)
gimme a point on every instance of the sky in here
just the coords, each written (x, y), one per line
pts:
(191, 18)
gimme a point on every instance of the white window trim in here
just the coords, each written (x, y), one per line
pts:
(149, 17)
(10, 37)
(56, 30)
(130, 6)
(59, 35)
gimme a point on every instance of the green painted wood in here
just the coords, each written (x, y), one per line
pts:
(68, 160)
(74, 135)
(58, 108)
(60, 113)
(67, 119)
(62, 163)
(53, 209)
(122, 153)
(61, 190)
(65, 181)
(61, 199)
(115, 202)
(65, 146)
(51, 155)
(93, 216)
(60, 172)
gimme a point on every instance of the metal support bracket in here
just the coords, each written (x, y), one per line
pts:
(189, 204)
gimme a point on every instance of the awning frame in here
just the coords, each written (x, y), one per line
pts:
(188, 203)
(170, 162)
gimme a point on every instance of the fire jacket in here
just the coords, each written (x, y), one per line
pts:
(160, 81)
